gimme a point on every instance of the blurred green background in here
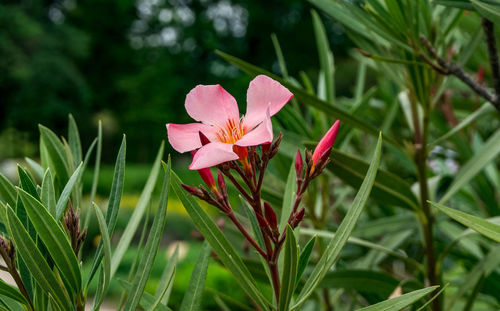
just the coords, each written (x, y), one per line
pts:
(130, 63)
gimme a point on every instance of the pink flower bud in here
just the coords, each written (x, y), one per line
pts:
(206, 175)
(270, 215)
(324, 146)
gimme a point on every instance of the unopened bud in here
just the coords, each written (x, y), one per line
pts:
(298, 166)
(299, 217)
(193, 191)
(324, 147)
(265, 148)
(270, 216)
(203, 139)
(262, 222)
(275, 146)
(206, 175)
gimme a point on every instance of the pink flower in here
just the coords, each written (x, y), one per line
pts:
(220, 121)
(324, 146)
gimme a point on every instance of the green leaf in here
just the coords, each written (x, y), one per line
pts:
(345, 229)
(106, 267)
(11, 292)
(165, 285)
(401, 302)
(460, 4)
(138, 213)
(147, 300)
(253, 222)
(477, 224)
(48, 195)
(55, 240)
(485, 108)
(304, 258)
(228, 256)
(164, 290)
(288, 198)
(325, 56)
(388, 187)
(63, 199)
(194, 291)
(74, 142)
(56, 152)
(289, 274)
(151, 248)
(307, 98)
(36, 168)
(362, 281)
(34, 261)
(95, 179)
(489, 10)
(480, 160)
(7, 191)
(113, 205)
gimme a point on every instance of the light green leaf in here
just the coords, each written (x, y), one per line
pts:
(36, 168)
(345, 229)
(166, 281)
(34, 261)
(113, 205)
(95, 179)
(325, 56)
(194, 291)
(57, 154)
(138, 213)
(7, 191)
(477, 224)
(74, 142)
(401, 302)
(55, 240)
(11, 292)
(489, 10)
(106, 267)
(163, 291)
(304, 258)
(253, 222)
(289, 270)
(480, 160)
(63, 199)
(288, 198)
(147, 300)
(231, 260)
(48, 194)
(151, 248)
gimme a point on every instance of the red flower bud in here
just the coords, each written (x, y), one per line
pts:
(324, 146)
(270, 215)
(300, 216)
(206, 175)
(204, 140)
(193, 191)
(262, 222)
(298, 165)
(266, 147)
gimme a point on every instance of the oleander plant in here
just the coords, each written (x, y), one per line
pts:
(310, 200)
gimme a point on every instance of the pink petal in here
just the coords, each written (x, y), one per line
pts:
(262, 134)
(212, 105)
(324, 146)
(185, 137)
(213, 154)
(262, 92)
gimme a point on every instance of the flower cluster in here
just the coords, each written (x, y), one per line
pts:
(240, 148)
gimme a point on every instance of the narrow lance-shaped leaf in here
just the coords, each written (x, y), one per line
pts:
(48, 194)
(113, 205)
(487, 153)
(106, 266)
(401, 302)
(74, 142)
(95, 179)
(38, 267)
(288, 197)
(138, 213)
(304, 258)
(63, 199)
(55, 240)
(7, 191)
(194, 292)
(57, 154)
(345, 229)
(231, 260)
(151, 248)
(325, 56)
(11, 292)
(289, 270)
(477, 224)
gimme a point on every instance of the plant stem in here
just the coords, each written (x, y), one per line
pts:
(427, 221)
(491, 43)
(15, 275)
(242, 229)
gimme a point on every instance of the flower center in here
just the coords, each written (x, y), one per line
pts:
(231, 132)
